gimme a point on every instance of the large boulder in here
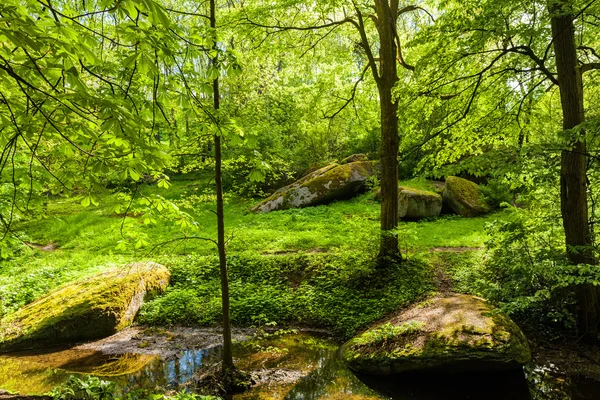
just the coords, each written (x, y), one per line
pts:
(416, 203)
(453, 332)
(89, 309)
(334, 182)
(464, 197)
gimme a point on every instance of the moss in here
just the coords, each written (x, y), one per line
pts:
(419, 192)
(417, 203)
(456, 330)
(334, 182)
(464, 197)
(88, 309)
(354, 158)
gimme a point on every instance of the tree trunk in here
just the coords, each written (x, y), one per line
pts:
(227, 354)
(386, 27)
(573, 179)
(389, 174)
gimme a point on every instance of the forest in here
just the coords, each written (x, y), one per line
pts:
(299, 199)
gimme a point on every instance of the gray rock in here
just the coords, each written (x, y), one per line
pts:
(416, 204)
(334, 182)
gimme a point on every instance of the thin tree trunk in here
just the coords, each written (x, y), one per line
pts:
(386, 27)
(573, 179)
(227, 354)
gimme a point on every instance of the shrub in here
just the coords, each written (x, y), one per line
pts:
(525, 270)
(86, 388)
(342, 292)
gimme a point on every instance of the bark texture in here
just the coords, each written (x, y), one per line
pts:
(573, 179)
(388, 77)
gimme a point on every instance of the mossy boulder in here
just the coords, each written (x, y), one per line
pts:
(464, 197)
(89, 309)
(454, 332)
(354, 158)
(416, 203)
(334, 182)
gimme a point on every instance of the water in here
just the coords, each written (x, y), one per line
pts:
(299, 367)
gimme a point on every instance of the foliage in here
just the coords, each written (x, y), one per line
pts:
(93, 388)
(340, 291)
(85, 388)
(387, 332)
(524, 269)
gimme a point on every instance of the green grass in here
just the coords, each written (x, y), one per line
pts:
(87, 241)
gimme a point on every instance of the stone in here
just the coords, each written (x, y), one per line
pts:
(334, 182)
(93, 308)
(414, 204)
(354, 158)
(453, 332)
(417, 204)
(464, 197)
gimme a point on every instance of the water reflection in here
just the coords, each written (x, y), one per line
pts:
(298, 367)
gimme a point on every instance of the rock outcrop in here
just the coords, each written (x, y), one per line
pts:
(464, 197)
(418, 204)
(334, 182)
(89, 309)
(453, 331)
(414, 204)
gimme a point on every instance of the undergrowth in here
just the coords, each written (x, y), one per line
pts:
(86, 241)
(341, 292)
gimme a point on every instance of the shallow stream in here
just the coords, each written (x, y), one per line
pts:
(292, 367)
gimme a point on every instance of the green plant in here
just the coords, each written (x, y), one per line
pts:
(144, 394)
(84, 388)
(388, 332)
(497, 191)
(524, 269)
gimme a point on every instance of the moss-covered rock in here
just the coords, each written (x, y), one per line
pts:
(464, 197)
(334, 182)
(93, 308)
(456, 331)
(416, 204)
(354, 158)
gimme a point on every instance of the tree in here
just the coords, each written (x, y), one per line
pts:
(227, 353)
(384, 15)
(573, 172)
(478, 46)
(79, 99)
(64, 105)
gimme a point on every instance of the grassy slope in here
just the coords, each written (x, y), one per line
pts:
(87, 239)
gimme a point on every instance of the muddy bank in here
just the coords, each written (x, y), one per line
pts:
(4, 395)
(163, 342)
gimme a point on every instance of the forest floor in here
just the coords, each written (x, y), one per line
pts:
(72, 242)
(302, 267)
